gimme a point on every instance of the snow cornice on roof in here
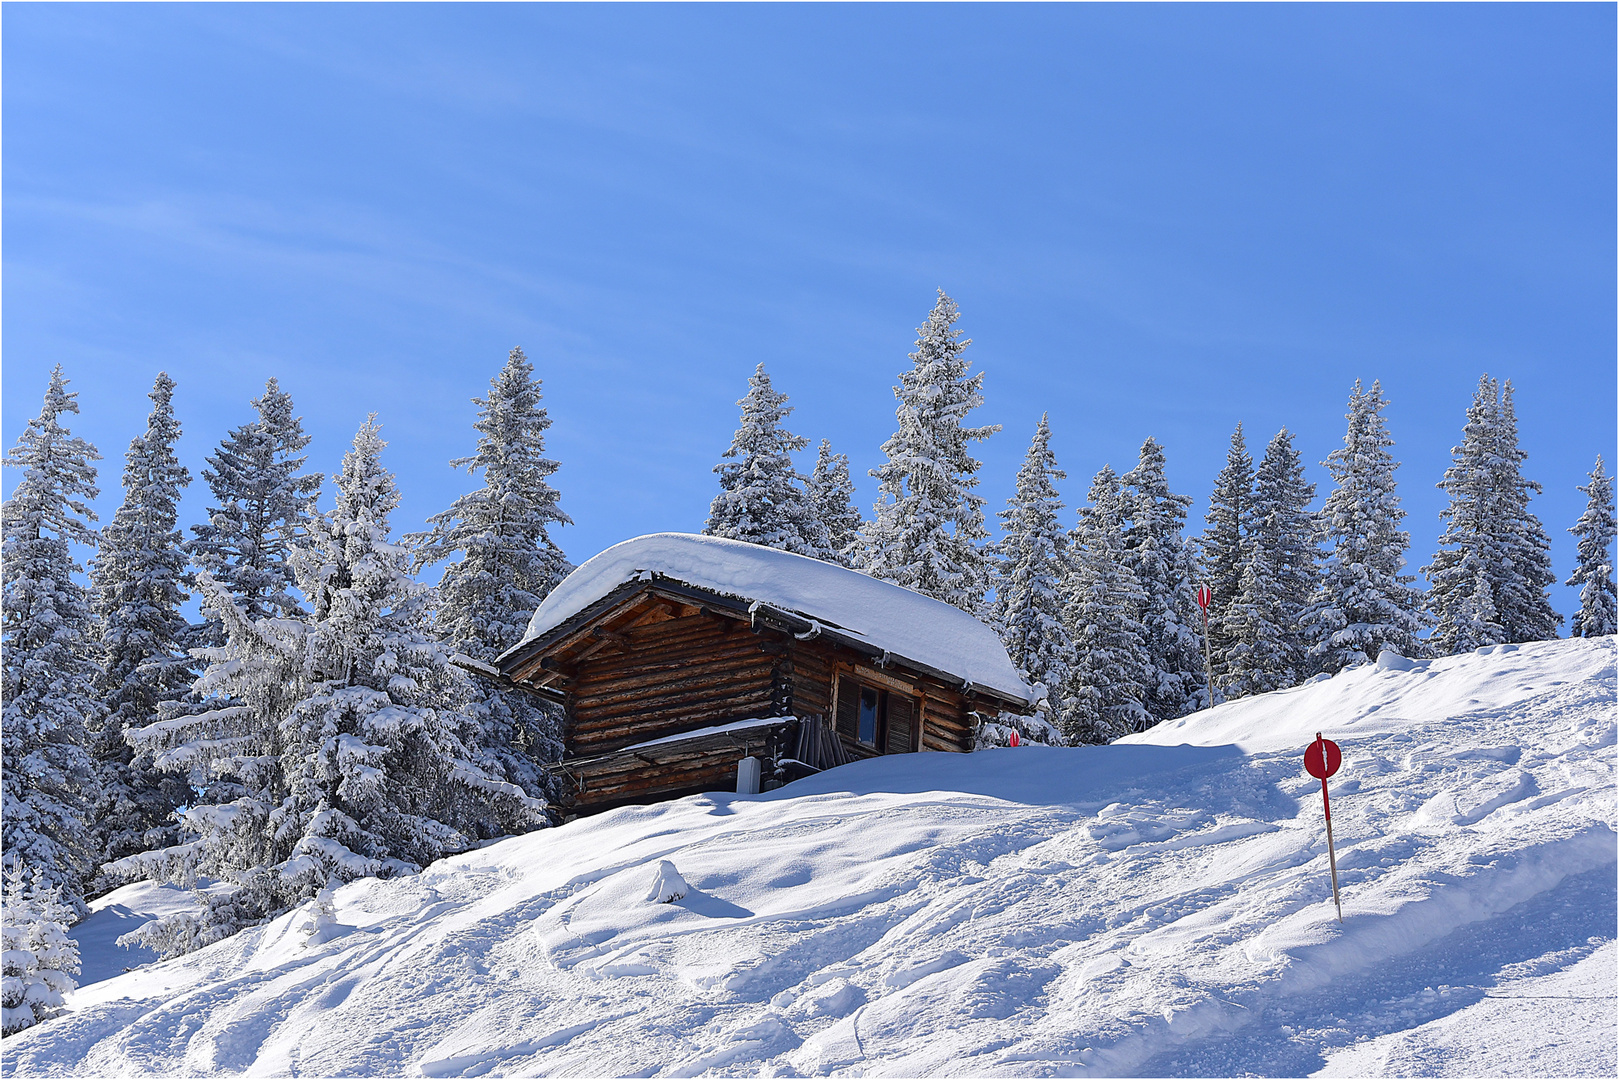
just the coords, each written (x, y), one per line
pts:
(787, 593)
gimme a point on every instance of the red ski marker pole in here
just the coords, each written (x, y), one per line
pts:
(1321, 760)
(1205, 597)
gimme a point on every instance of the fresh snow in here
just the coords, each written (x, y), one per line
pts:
(717, 729)
(1159, 906)
(905, 623)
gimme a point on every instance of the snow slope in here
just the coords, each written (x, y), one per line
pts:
(903, 622)
(1159, 907)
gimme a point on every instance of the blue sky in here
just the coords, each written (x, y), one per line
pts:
(1157, 219)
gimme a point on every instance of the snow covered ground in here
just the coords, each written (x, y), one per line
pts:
(1155, 907)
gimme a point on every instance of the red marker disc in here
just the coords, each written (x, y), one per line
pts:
(1322, 758)
(1204, 597)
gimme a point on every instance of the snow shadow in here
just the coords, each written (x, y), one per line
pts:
(1293, 1037)
(710, 906)
(100, 956)
(1029, 775)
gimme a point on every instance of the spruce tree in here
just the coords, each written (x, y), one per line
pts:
(763, 498)
(265, 507)
(1163, 566)
(337, 751)
(928, 527)
(1490, 536)
(48, 652)
(1522, 590)
(1028, 587)
(1364, 602)
(1593, 570)
(1224, 545)
(137, 577)
(1268, 649)
(509, 563)
(1471, 548)
(1102, 696)
(833, 494)
(38, 957)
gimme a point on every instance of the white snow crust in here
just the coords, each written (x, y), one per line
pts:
(717, 729)
(903, 622)
(1159, 907)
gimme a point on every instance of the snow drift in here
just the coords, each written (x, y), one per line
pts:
(1159, 906)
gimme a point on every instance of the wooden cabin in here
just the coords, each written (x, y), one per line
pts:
(676, 657)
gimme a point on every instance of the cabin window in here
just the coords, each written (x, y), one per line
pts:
(876, 717)
(870, 700)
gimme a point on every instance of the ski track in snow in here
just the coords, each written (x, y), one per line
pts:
(1138, 909)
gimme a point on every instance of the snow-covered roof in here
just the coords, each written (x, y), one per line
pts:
(905, 624)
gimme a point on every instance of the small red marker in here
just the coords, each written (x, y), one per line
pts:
(1321, 760)
(1205, 597)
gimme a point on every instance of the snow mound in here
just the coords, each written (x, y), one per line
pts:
(1156, 907)
(667, 884)
(904, 623)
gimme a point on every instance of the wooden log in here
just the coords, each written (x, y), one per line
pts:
(705, 686)
(650, 660)
(674, 635)
(621, 681)
(692, 675)
(672, 722)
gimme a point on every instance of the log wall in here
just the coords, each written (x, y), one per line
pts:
(670, 676)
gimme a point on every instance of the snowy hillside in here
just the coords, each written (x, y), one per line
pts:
(1158, 907)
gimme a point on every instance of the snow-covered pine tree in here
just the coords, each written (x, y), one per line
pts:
(47, 652)
(1101, 698)
(1522, 591)
(38, 956)
(928, 530)
(509, 563)
(1593, 570)
(763, 498)
(1363, 602)
(337, 751)
(833, 494)
(1490, 535)
(1031, 568)
(137, 577)
(1470, 549)
(1163, 566)
(1224, 547)
(1268, 649)
(265, 507)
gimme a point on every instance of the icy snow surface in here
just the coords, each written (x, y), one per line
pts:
(903, 622)
(1157, 908)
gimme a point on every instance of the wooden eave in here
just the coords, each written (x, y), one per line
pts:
(546, 664)
(667, 752)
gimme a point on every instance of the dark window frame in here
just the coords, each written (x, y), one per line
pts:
(887, 737)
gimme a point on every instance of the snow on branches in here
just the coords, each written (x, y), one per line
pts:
(48, 651)
(336, 751)
(928, 531)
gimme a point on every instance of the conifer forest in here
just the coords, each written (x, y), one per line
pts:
(275, 701)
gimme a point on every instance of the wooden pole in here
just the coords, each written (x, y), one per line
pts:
(1332, 855)
(1208, 661)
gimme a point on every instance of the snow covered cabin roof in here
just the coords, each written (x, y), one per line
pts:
(817, 598)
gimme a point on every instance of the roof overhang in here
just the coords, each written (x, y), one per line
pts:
(522, 658)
